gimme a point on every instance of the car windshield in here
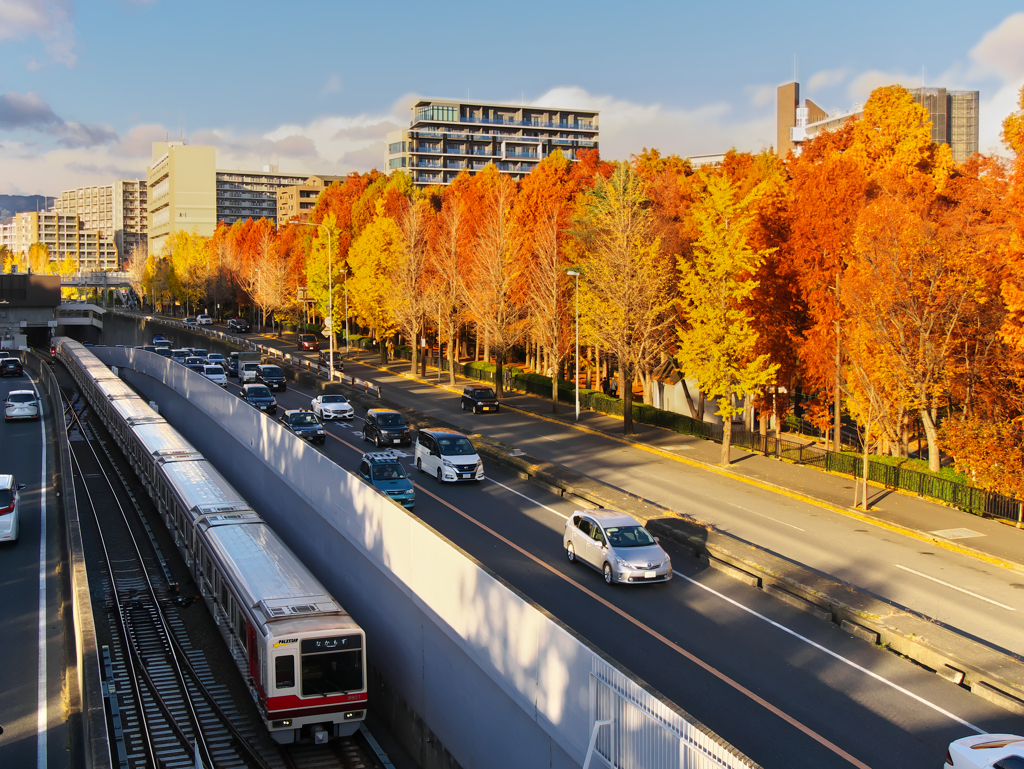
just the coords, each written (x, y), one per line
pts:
(333, 399)
(479, 394)
(390, 471)
(194, 367)
(454, 445)
(214, 370)
(272, 371)
(21, 398)
(307, 338)
(628, 536)
(259, 392)
(163, 351)
(6, 497)
(215, 356)
(250, 366)
(199, 351)
(303, 420)
(390, 420)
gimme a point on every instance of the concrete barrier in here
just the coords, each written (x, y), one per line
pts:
(498, 680)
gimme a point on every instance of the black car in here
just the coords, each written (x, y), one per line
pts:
(11, 367)
(239, 324)
(259, 397)
(325, 360)
(386, 427)
(478, 398)
(304, 424)
(233, 364)
(272, 376)
(197, 367)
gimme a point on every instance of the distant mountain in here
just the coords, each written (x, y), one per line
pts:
(15, 204)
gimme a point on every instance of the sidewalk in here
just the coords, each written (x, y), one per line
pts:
(988, 539)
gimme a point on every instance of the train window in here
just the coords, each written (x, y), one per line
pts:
(284, 672)
(243, 638)
(224, 596)
(332, 669)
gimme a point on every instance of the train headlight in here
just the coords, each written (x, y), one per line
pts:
(284, 724)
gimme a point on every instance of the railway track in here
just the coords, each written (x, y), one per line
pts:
(164, 701)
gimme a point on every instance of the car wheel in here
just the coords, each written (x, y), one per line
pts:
(570, 553)
(440, 476)
(419, 465)
(376, 441)
(365, 436)
(462, 405)
(474, 408)
(608, 573)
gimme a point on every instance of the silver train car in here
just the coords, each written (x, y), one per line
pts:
(302, 656)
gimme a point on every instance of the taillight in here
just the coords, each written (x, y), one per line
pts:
(949, 758)
(8, 509)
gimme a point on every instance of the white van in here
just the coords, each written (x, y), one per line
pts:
(447, 455)
(248, 372)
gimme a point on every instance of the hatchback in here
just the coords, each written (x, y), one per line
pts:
(616, 545)
(21, 404)
(447, 455)
(383, 471)
(11, 367)
(9, 499)
(981, 751)
(308, 342)
(386, 428)
(478, 398)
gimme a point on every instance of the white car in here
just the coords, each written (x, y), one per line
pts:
(215, 374)
(447, 455)
(216, 357)
(986, 751)
(332, 406)
(204, 320)
(9, 508)
(617, 545)
(21, 404)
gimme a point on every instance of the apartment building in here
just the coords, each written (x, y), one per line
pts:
(252, 194)
(116, 211)
(954, 116)
(446, 137)
(295, 203)
(66, 237)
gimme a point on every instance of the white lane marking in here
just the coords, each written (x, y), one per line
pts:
(741, 507)
(41, 698)
(954, 587)
(833, 654)
(539, 504)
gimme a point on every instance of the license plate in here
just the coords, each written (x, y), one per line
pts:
(650, 574)
(465, 475)
(487, 408)
(396, 440)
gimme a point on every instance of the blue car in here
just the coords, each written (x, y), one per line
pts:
(383, 471)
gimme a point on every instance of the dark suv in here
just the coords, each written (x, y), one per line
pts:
(477, 398)
(386, 428)
(10, 367)
(304, 424)
(272, 376)
(239, 324)
(259, 397)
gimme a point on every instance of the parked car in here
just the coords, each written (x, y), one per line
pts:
(308, 342)
(332, 406)
(478, 398)
(383, 471)
(191, 322)
(616, 545)
(272, 376)
(241, 325)
(21, 404)
(447, 455)
(9, 501)
(215, 373)
(204, 320)
(386, 427)
(11, 367)
(325, 360)
(982, 751)
(304, 424)
(258, 396)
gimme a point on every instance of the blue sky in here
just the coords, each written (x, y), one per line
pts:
(85, 87)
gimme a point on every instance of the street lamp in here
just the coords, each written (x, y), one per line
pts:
(347, 348)
(574, 274)
(330, 298)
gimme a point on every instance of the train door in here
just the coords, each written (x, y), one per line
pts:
(252, 644)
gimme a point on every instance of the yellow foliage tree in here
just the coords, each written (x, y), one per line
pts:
(373, 256)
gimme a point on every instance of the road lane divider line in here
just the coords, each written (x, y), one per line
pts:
(762, 515)
(831, 653)
(954, 587)
(529, 499)
(655, 634)
(42, 719)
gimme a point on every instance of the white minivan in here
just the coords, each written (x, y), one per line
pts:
(447, 455)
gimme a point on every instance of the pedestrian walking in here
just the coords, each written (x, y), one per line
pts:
(614, 387)
(604, 385)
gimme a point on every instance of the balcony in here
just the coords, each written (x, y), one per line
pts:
(521, 155)
(576, 125)
(426, 164)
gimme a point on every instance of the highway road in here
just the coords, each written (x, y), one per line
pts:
(34, 730)
(786, 689)
(977, 599)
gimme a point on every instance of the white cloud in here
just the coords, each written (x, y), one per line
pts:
(760, 95)
(333, 85)
(49, 20)
(1001, 50)
(827, 78)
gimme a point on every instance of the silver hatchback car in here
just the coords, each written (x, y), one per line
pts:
(617, 545)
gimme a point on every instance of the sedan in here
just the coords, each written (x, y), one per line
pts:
(204, 320)
(21, 404)
(308, 342)
(981, 751)
(332, 406)
(9, 498)
(616, 545)
(305, 425)
(259, 397)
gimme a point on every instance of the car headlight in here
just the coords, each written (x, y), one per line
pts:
(448, 464)
(479, 464)
(622, 561)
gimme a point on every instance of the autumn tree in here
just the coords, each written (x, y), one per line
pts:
(624, 287)
(449, 262)
(135, 267)
(409, 273)
(718, 344)
(188, 253)
(38, 258)
(266, 278)
(371, 290)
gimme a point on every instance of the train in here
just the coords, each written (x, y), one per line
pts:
(300, 653)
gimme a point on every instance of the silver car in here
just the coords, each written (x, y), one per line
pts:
(617, 545)
(21, 404)
(9, 498)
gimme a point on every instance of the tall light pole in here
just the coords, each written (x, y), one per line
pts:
(574, 274)
(330, 298)
(347, 348)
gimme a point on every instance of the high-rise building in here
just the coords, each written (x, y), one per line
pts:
(295, 203)
(445, 137)
(252, 194)
(116, 211)
(954, 116)
(66, 237)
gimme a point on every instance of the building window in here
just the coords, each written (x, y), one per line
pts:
(396, 163)
(450, 114)
(396, 147)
